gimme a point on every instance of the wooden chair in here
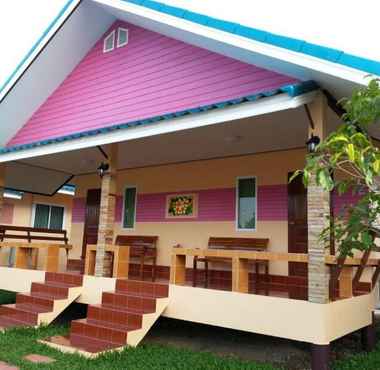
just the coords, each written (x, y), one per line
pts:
(244, 244)
(142, 247)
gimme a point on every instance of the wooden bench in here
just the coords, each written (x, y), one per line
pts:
(57, 238)
(32, 233)
(244, 244)
(142, 247)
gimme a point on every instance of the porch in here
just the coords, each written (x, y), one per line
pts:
(204, 165)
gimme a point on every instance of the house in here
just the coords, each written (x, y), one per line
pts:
(177, 125)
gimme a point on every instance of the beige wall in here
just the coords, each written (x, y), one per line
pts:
(269, 168)
(22, 216)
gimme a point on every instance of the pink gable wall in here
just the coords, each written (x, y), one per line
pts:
(152, 75)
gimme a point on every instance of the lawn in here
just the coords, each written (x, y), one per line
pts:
(17, 343)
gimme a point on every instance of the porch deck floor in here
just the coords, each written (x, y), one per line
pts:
(299, 292)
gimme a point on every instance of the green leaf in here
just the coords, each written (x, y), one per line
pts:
(376, 166)
(350, 150)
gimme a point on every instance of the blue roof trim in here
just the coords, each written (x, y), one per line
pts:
(292, 90)
(36, 44)
(300, 46)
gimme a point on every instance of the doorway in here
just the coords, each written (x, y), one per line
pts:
(297, 224)
(91, 224)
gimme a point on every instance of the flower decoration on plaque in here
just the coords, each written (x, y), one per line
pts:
(181, 206)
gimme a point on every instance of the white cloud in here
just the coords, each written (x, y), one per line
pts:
(22, 22)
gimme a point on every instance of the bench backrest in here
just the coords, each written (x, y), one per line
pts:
(251, 244)
(140, 244)
(32, 233)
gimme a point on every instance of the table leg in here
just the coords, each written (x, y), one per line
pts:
(89, 267)
(21, 259)
(52, 259)
(239, 275)
(121, 263)
(178, 270)
(345, 282)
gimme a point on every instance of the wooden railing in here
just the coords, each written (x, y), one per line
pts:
(239, 260)
(342, 270)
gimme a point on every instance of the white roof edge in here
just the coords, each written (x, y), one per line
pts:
(295, 58)
(213, 117)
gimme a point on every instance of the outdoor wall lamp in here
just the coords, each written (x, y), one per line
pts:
(312, 143)
(103, 168)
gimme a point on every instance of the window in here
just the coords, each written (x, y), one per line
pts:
(122, 37)
(129, 207)
(109, 42)
(246, 203)
(49, 217)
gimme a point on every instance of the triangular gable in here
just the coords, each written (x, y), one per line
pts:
(151, 76)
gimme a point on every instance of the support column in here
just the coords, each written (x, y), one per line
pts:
(318, 209)
(107, 212)
(320, 357)
(368, 336)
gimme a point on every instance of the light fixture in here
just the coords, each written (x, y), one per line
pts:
(67, 189)
(103, 168)
(12, 194)
(312, 143)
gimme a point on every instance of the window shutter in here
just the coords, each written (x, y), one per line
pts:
(41, 218)
(129, 207)
(56, 218)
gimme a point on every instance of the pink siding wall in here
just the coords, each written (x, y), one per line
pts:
(152, 75)
(340, 201)
(6, 214)
(213, 205)
(78, 210)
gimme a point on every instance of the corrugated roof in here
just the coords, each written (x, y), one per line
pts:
(293, 44)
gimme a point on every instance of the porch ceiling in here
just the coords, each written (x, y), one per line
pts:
(276, 131)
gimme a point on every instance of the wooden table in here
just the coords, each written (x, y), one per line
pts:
(23, 252)
(239, 260)
(120, 260)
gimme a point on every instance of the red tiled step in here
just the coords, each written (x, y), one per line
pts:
(93, 329)
(52, 289)
(129, 301)
(19, 314)
(65, 278)
(122, 318)
(91, 345)
(142, 288)
(36, 299)
(10, 322)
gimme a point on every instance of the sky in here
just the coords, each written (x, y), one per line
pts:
(340, 24)
(21, 24)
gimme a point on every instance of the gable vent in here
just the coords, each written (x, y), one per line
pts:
(122, 37)
(109, 42)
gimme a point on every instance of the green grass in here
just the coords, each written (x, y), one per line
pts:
(16, 343)
(7, 297)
